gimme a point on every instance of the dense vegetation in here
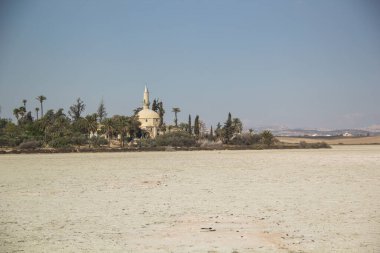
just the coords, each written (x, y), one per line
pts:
(56, 129)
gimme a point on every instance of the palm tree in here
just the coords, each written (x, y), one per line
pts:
(137, 110)
(24, 102)
(41, 99)
(121, 125)
(134, 126)
(109, 127)
(16, 113)
(176, 110)
(92, 124)
(22, 111)
(37, 109)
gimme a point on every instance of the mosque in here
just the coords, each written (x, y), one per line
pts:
(149, 119)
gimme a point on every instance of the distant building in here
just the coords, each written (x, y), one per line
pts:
(347, 134)
(149, 119)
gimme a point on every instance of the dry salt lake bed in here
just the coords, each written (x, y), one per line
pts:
(199, 201)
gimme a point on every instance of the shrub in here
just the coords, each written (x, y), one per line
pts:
(30, 145)
(97, 141)
(176, 139)
(245, 139)
(267, 138)
(147, 143)
(321, 145)
(6, 141)
(79, 139)
(210, 144)
(304, 144)
(60, 142)
(103, 141)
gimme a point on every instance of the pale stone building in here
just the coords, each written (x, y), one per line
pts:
(150, 120)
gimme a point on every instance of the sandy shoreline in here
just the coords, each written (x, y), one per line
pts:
(256, 201)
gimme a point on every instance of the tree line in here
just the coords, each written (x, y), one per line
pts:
(58, 129)
(230, 133)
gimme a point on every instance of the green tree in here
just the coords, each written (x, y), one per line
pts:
(7, 129)
(77, 109)
(27, 118)
(3, 123)
(137, 110)
(176, 110)
(102, 114)
(79, 139)
(80, 126)
(211, 135)
(121, 124)
(237, 125)
(267, 138)
(108, 124)
(56, 128)
(218, 130)
(228, 131)
(155, 105)
(176, 139)
(11, 135)
(196, 126)
(37, 109)
(22, 112)
(19, 113)
(24, 102)
(134, 129)
(92, 124)
(41, 99)
(161, 113)
(16, 113)
(183, 126)
(189, 126)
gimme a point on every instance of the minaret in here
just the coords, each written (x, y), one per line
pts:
(146, 99)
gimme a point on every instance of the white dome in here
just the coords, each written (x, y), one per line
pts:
(148, 114)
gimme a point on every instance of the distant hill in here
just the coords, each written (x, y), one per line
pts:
(373, 128)
(336, 140)
(284, 131)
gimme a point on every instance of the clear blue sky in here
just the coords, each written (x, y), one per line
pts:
(293, 63)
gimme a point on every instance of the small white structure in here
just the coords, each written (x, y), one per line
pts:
(347, 134)
(149, 119)
(93, 134)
